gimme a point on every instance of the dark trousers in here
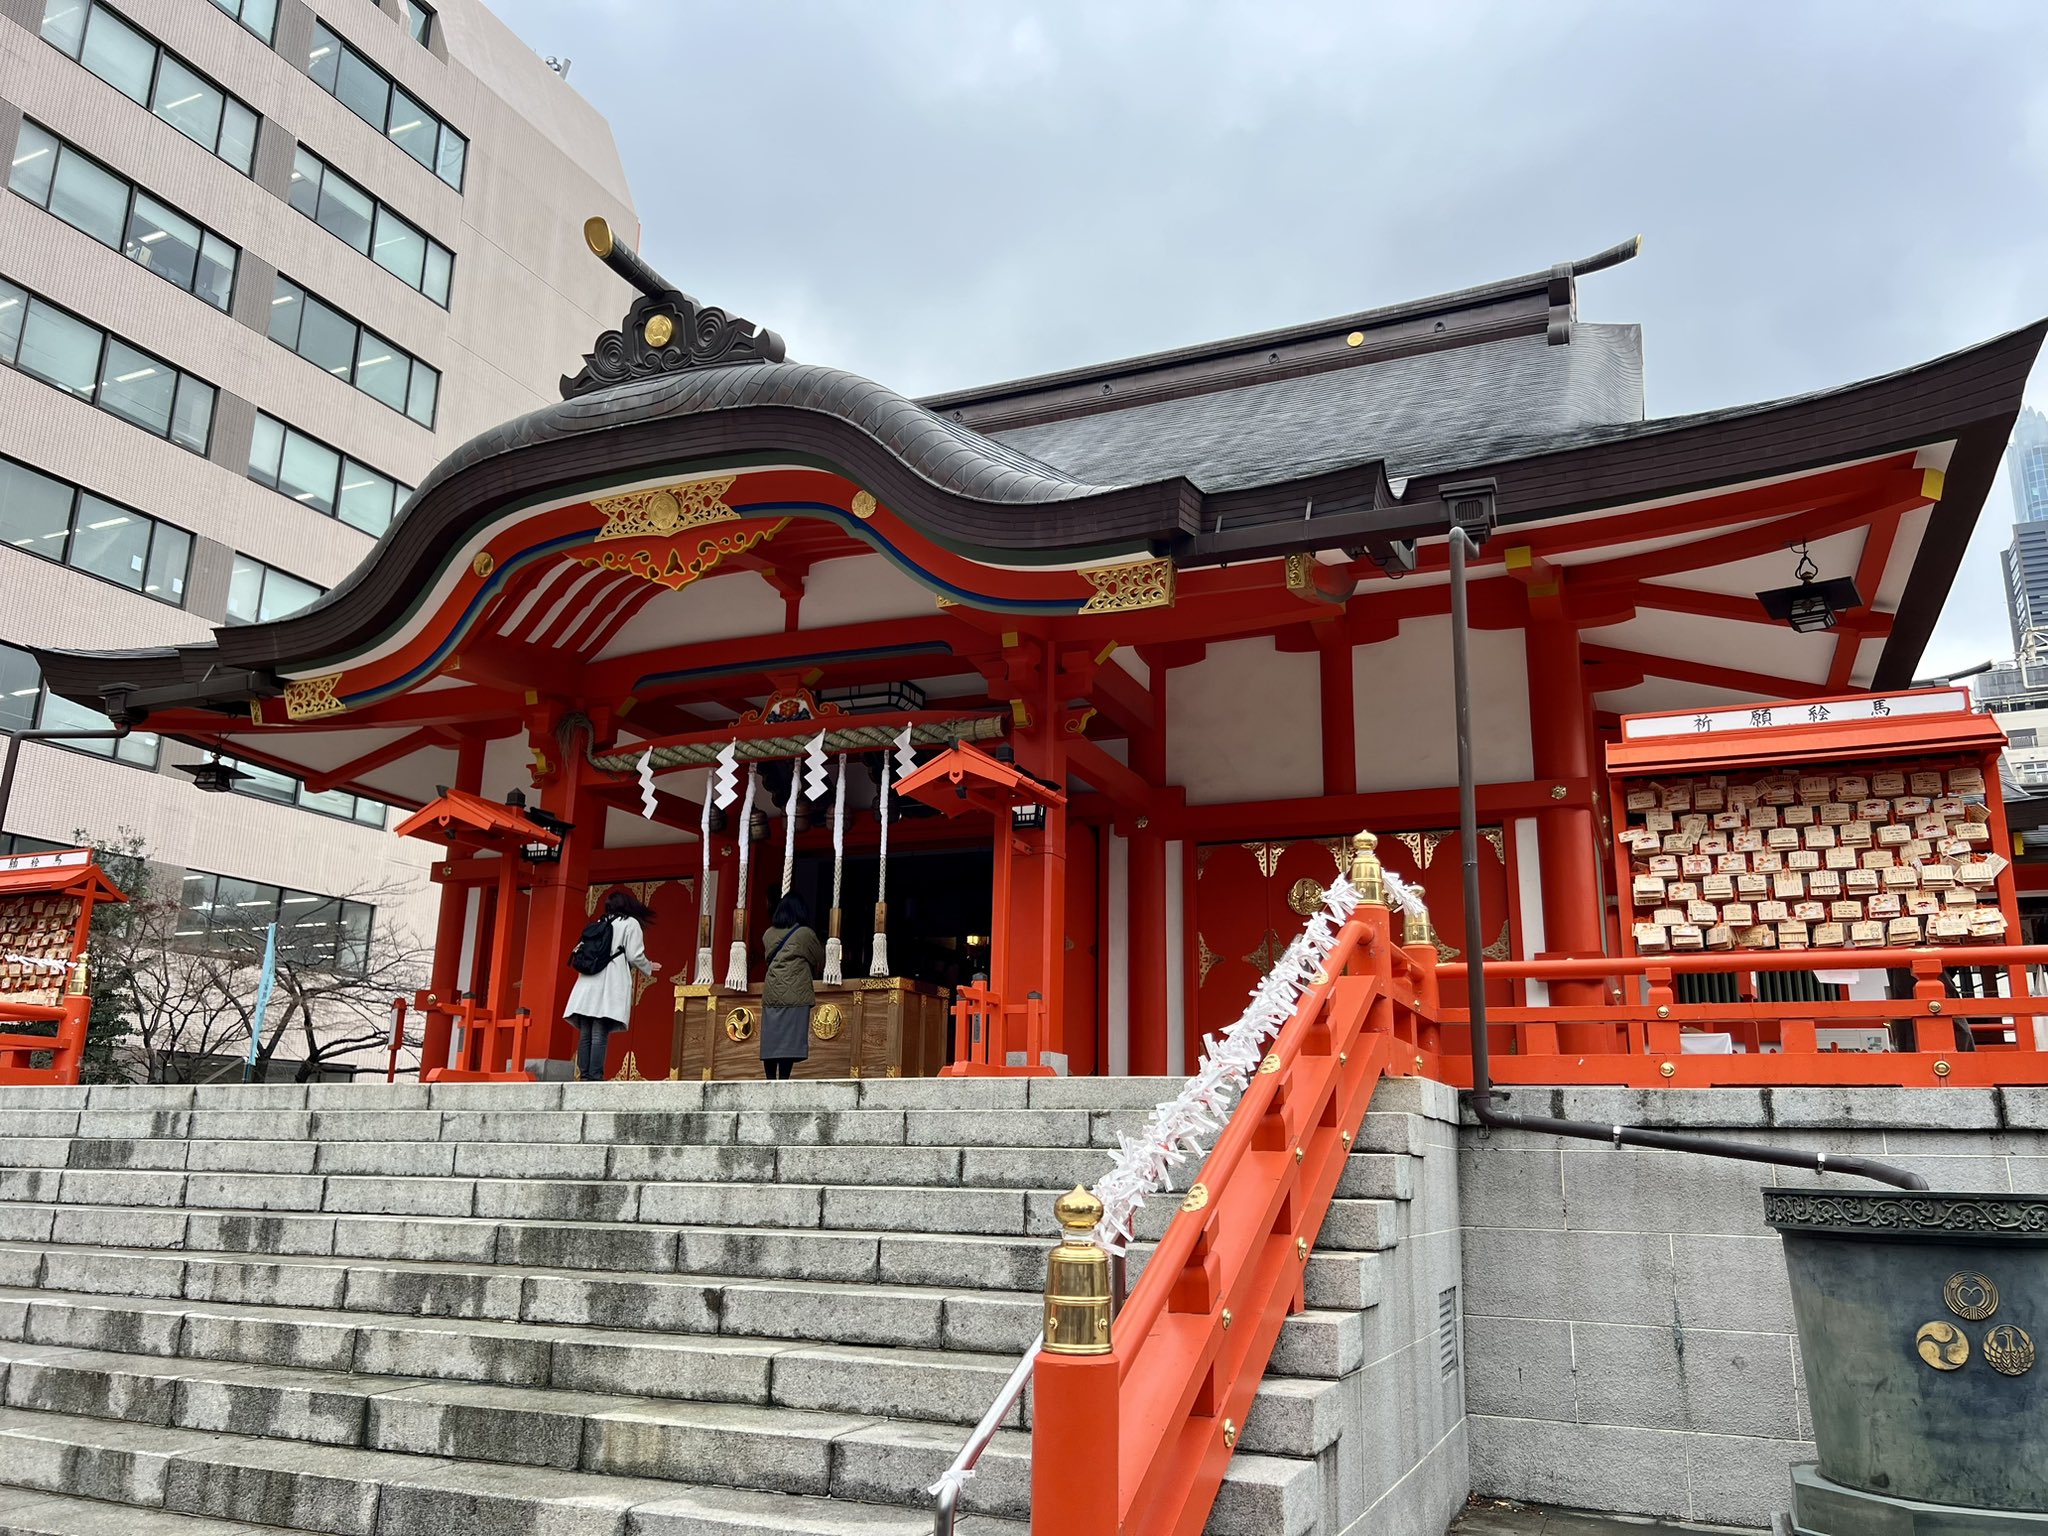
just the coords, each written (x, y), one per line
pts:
(592, 1037)
(777, 1068)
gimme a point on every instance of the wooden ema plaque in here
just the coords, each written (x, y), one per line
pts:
(39, 935)
(872, 1028)
(1858, 823)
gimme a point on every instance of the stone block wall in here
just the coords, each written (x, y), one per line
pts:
(1628, 1324)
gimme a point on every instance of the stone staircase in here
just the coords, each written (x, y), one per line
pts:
(635, 1309)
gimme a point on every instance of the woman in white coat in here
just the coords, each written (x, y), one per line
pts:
(602, 1002)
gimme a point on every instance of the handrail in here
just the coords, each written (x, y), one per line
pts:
(1599, 967)
(947, 1489)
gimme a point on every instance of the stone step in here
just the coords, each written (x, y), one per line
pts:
(353, 1492)
(777, 1450)
(34, 1512)
(1313, 1343)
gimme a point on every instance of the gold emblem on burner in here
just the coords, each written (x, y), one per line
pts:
(739, 1025)
(1943, 1346)
(2009, 1350)
(1970, 1296)
(825, 1021)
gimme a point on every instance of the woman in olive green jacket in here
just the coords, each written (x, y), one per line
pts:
(794, 959)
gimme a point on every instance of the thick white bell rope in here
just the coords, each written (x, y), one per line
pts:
(789, 833)
(736, 956)
(879, 965)
(834, 973)
(704, 976)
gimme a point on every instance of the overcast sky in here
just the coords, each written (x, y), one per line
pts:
(942, 194)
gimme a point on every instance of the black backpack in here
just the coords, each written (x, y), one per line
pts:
(593, 952)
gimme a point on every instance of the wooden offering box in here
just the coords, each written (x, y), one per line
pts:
(1861, 822)
(870, 1028)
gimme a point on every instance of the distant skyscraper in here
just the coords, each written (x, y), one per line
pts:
(2026, 562)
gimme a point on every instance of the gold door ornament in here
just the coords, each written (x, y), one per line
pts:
(825, 1021)
(2009, 1350)
(739, 1025)
(1305, 897)
(1943, 1346)
(1970, 1296)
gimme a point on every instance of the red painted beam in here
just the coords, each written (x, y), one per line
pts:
(1683, 670)
(382, 757)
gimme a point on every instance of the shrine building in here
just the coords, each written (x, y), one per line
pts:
(1132, 650)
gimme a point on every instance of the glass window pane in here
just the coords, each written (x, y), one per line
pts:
(323, 58)
(243, 907)
(165, 242)
(138, 387)
(195, 905)
(91, 198)
(440, 267)
(304, 193)
(64, 23)
(35, 511)
(454, 153)
(327, 339)
(413, 128)
(381, 370)
(260, 17)
(265, 448)
(346, 210)
(170, 552)
(13, 305)
(266, 783)
(366, 498)
(399, 248)
(284, 595)
(119, 55)
(309, 472)
(285, 308)
(362, 89)
(60, 350)
(426, 390)
(353, 953)
(140, 748)
(419, 21)
(370, 812)
(218, 260)
(192, 417)
(60, 714)
(110, 541)
(331, 802)
(188, 103)
(245, 590)
(19, 683)
(237, 136)
(35, 162)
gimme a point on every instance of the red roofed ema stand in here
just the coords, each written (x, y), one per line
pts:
(46, 903)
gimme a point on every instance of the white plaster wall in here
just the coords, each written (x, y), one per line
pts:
(1244, 724)
(735, 604)
(861, 590)
(1406, 726)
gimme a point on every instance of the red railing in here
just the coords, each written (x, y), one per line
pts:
(986, 1029)
(66, 1048)
(491, 1049)
(1637, 1037)
(1134, 1442)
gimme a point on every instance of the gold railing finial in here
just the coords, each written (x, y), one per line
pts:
(1077, 1280)
(1415, 924)
(1365, 870)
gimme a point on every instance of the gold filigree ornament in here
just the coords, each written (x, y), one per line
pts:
(1970, 1296)
(739, 1025)
(1128, 587)
(2009, 1350)
(1943, 1345)
(825, 1022)
(674, 569)
(1305, 897)
(313, 698)
(666, 509)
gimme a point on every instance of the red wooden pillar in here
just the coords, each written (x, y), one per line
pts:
(451, 923)
(555, 911)
(1145, 904)
(1032, 954)
(1340, 708)
(1561, 743)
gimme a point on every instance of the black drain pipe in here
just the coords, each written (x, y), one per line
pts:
(1475, 975)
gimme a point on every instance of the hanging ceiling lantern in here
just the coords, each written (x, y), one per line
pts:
(1810, 605)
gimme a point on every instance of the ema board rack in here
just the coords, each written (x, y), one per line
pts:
(1859, 822)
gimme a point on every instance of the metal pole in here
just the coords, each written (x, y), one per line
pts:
(1481, 1097)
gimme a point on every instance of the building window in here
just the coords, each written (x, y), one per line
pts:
(62, 178)
(385, 105)
(26, 704)
(60, 522)
(223, 912)
(259, 16)
(130, 60)
(258, 593)
(328, 339)
(349, 213)
(269, 784)
(62, 350)
(12, 843)
(2023, 736)
(419, 21)
(315, 475)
